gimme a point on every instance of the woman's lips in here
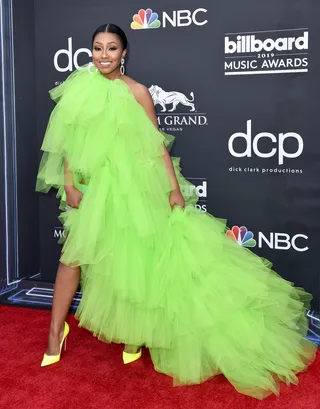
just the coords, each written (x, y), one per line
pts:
(105, 63)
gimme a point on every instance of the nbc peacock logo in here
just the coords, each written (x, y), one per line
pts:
(242, 236)
(145, 19)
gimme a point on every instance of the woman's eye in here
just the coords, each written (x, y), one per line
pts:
(110, 49)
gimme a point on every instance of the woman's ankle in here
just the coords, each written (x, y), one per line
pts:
(131, 349)
(55, 330)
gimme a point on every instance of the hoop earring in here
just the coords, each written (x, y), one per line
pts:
(122, 70)
(90, 66)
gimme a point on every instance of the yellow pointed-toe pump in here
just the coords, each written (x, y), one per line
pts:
(128, 357)
(52, 359)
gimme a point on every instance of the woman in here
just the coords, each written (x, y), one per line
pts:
(155, 271)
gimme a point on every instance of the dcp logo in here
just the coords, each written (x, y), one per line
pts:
(72, 57)
(276, 144)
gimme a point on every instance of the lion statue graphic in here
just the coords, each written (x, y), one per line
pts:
(164, 98)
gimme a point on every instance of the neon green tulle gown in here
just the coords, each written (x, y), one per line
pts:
(169, 280)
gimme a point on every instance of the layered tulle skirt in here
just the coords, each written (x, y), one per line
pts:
(167, 279)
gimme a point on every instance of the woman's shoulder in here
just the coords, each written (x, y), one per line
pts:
(139, 90)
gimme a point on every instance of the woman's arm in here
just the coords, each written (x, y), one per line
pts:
(144, 98)
(74, 196)
(68, 177)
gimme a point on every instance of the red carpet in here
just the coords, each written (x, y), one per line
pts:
(91, 375)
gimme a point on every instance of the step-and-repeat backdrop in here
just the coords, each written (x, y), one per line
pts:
(237, 83)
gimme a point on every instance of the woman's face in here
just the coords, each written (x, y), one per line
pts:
(107, 53)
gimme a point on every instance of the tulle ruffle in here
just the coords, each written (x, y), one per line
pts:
(169, 280)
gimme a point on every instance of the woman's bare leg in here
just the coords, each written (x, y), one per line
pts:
(66, 285)
(131, 349)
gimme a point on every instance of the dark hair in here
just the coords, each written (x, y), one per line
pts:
(112, 28)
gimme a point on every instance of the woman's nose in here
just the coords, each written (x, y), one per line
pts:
(104, 53)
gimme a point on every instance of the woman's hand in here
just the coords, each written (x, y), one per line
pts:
(74, 197)
(176, 198)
